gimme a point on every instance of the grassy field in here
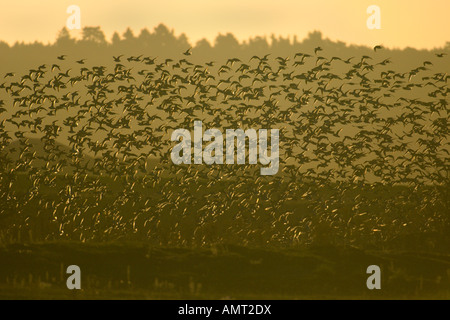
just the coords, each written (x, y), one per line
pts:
(135, 270)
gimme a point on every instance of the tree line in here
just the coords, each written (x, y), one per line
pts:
(94, 46)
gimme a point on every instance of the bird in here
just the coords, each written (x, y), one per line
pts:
(360, 142)
(187, 52)
(117, 59)
(377, 47)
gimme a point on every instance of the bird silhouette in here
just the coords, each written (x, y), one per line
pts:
(188, 52)
(377, 47)
(362, 141)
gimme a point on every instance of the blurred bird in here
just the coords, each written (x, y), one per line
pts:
(187, 52)
(378, 47)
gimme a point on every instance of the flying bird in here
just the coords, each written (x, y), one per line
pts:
(378, 47)
(187, 52)
(117, 59)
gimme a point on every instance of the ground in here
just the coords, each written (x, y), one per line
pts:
(140, 271)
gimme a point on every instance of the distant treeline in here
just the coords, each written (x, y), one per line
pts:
(162, 41)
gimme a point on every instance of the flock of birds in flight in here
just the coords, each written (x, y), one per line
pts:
(346, 125)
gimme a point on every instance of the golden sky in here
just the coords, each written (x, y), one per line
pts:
(413, 23)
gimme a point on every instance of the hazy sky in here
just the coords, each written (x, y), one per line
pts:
(414, 23)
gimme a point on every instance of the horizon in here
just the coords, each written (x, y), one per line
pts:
(77, 36)
(404, 24)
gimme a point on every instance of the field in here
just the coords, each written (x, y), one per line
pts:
(125, 270)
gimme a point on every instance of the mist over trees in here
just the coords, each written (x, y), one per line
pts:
(94, 46)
